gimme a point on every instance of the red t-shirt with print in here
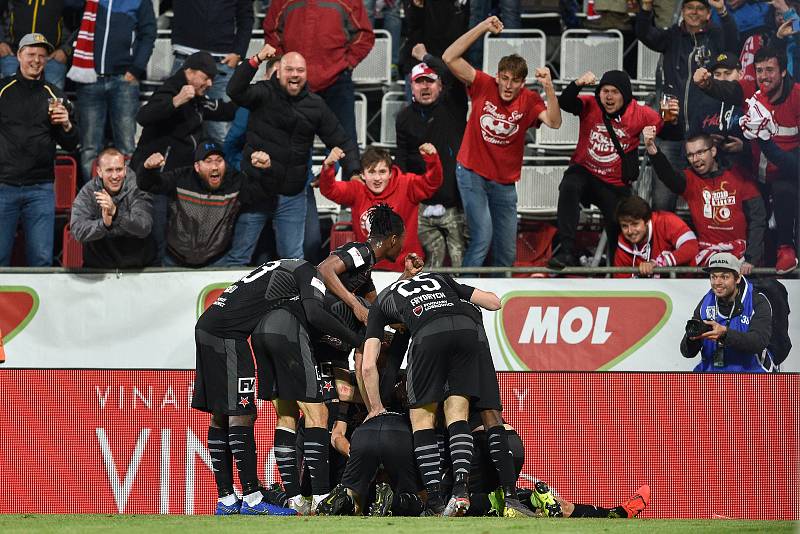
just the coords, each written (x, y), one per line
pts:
(717, 204)
(494, 140)
(595, 150)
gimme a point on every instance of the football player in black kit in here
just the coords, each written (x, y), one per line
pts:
(443, 365)
(347, 272)
(225, 382)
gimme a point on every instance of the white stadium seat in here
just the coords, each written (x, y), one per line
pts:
(377, 66)
(583, 50)
(537, 189)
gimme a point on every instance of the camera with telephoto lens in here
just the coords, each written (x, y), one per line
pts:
(696, 328)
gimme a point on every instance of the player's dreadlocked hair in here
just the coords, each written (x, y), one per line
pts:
(384, 222)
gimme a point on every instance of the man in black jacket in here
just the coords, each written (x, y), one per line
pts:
(204, 201)
(437, 115)
(173, 125)
(686, 46)
(33, 119)
(223, 29)
(284, 117)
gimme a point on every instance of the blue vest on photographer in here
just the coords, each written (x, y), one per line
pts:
(733, 360)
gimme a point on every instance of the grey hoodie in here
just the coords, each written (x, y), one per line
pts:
(127, 242)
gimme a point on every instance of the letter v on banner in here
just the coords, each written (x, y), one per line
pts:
(122, 490)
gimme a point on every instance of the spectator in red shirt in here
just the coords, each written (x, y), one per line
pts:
(384, 183)
(650, 239)
(595, 173)
(334, 37)
(780, 95)
(727, 210)
(490, 158)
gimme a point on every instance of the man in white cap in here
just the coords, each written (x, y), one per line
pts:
(732, 325)
(33, 119)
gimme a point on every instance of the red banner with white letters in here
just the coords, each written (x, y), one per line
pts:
(117, 441)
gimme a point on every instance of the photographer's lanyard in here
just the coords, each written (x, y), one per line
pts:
(719, 352)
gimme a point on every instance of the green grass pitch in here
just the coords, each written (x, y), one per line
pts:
(153, 524)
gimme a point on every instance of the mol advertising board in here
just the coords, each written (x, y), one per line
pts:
(146, 321)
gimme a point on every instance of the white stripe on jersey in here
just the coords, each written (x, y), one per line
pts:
(316, 282)
(358, 259)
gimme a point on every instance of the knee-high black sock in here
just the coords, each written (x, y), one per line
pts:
(461, 450)
(221, 460)
(587, 510)
(284, 442)
(500, 453)
(426, 454)
(243, 446)
(315, 453)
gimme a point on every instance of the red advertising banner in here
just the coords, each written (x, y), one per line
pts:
(116, 441)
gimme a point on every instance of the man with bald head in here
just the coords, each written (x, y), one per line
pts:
(284, 118)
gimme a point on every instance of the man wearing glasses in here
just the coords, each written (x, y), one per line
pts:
(727, 210)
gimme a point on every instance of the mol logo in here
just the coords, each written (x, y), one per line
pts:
(18, 305)
(577, 331)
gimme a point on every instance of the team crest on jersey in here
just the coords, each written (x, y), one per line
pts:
(417, 310)
(717, 204)
(497, 128)
(711, 312)
(601, 148)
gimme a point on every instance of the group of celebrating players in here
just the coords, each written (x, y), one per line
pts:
(427, 440)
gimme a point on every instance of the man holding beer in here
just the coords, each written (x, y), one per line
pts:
(597, 172)
(33, 119)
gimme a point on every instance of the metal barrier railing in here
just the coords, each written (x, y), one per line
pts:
(671, 272)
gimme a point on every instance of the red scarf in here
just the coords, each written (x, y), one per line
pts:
(82, 70)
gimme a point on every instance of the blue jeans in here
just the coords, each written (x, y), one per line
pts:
(288, 222)
(216, 130)
(312, 243)
(54, 72)
(341, 98)
(110, 99)
(510, 14)
(36, 204)
(491, 211)
(392, 23)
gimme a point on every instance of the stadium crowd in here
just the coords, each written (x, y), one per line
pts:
(220, 155)
(724, 136)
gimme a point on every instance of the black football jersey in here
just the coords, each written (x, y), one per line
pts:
(241, 306)
(358, 259)
(344, 313)
(417, 300)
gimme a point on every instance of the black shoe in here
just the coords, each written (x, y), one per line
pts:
(275, 495)
(562, 259)
(382, 506)
(434, 507)
(337, 502)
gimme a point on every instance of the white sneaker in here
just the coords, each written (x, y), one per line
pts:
(300, 504)
(316, 500)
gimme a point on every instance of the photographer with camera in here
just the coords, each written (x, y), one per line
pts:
(732, 325)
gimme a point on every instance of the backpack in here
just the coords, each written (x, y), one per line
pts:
(779, 344)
